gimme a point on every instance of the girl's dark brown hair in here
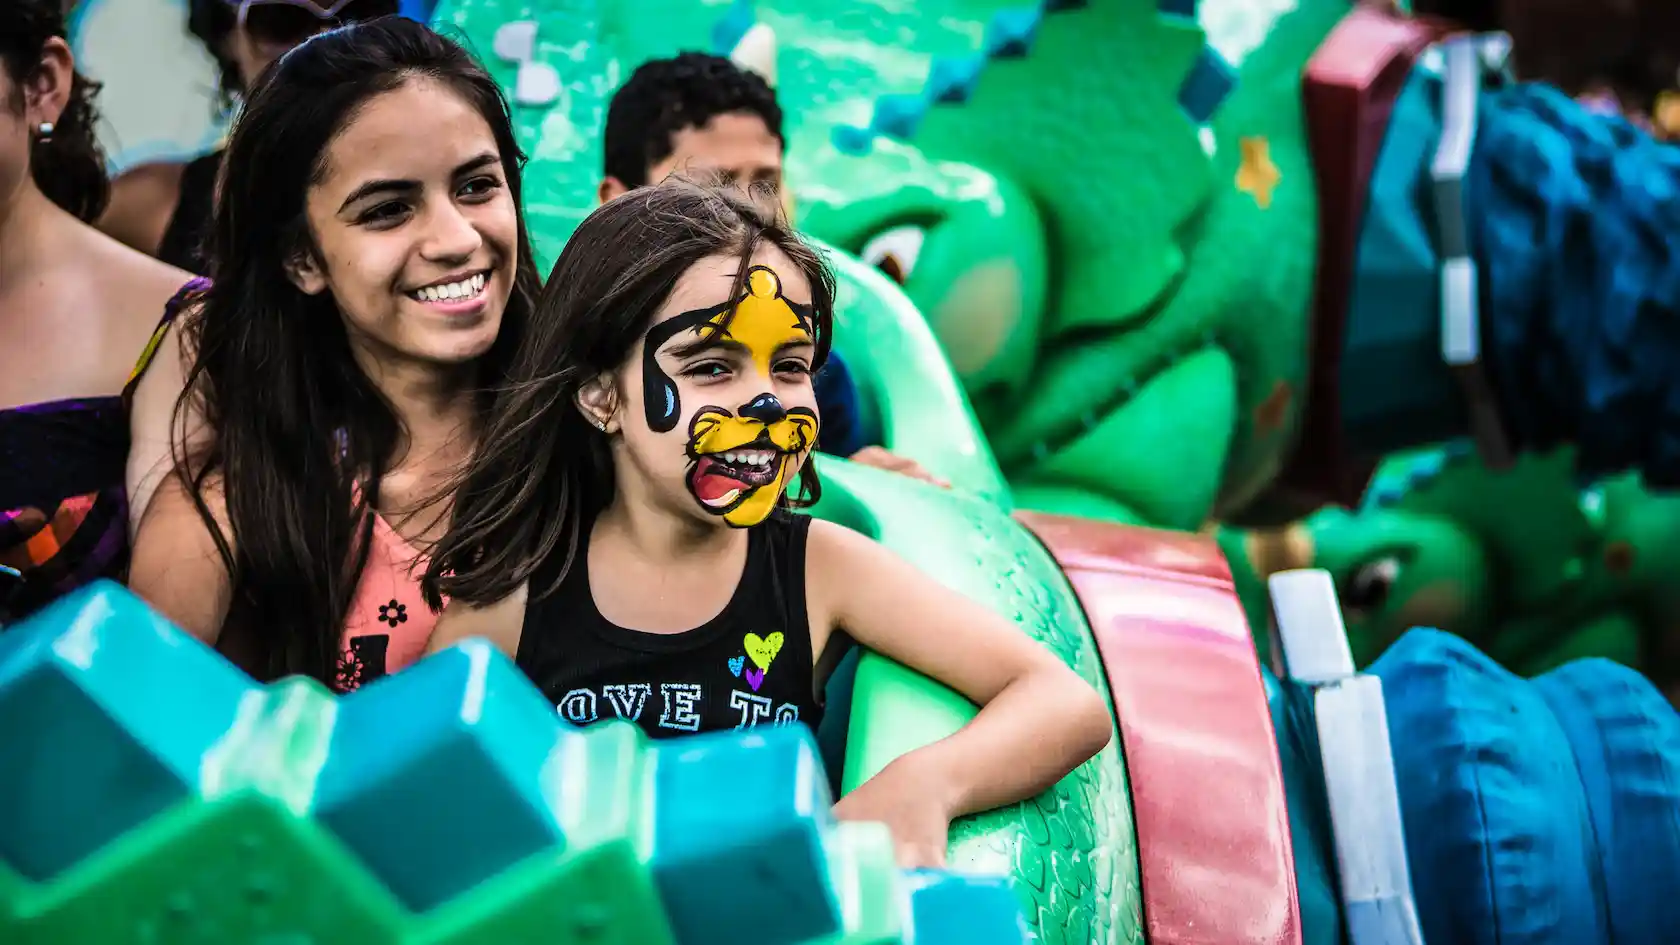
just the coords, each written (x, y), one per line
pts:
(541, 470)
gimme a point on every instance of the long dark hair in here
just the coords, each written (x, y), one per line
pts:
(69, 167)
(540, 468)
(298, 428)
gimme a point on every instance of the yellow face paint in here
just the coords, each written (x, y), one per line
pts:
(740, 459)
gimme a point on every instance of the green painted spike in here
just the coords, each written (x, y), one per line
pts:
(1010, 32)
(850, 139)
(162, 880)
(951, 79)
(897, 116)
(733, 25)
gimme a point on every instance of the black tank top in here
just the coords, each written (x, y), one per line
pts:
(750, 665)
(183, 240)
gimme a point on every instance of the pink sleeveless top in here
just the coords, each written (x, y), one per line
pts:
(389, 623)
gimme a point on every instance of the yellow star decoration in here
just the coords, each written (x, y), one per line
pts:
(1257, 175)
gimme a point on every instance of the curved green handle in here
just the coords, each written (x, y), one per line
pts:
(1074, 847)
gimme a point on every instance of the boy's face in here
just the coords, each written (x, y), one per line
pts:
(737, 145)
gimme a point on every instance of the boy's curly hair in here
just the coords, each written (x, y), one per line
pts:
(664, 96)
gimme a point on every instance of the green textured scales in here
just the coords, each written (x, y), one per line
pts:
(1073, 849)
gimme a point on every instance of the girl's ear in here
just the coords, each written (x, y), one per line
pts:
(597, 400)
(46, 90)
(305, 272)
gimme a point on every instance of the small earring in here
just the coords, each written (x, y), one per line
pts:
(44, 133)
(601, 425)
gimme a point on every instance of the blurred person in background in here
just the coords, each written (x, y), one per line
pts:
(76, 311)
(163, 208)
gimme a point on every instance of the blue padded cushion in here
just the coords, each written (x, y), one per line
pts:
(1626, 740)
(1497, 831)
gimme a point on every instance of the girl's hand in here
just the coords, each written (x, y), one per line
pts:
(892, 462)
(911, 808)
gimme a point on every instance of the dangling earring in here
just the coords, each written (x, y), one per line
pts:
(44, 133)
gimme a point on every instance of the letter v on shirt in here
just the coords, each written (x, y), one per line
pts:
(749, 665)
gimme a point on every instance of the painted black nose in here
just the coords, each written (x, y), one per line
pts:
(764, 408)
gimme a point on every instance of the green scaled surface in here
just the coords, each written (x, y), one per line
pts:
(1073, 849)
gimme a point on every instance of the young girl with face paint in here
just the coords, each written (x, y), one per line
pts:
(622, 531)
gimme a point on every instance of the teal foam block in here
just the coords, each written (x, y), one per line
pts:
(435, 774)
(952, 909)
(738, 838)
(106, 710)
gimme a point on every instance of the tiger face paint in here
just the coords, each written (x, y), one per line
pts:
(744, 449)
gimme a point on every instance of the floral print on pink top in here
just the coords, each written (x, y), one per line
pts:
(389, 623)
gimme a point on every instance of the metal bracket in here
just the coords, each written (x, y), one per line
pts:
(1466, 59)
(1354, 751)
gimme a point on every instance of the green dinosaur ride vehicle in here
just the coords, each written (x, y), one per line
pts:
(154, 795)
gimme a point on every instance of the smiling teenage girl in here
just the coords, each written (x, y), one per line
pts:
(621, 532)
(371, 278)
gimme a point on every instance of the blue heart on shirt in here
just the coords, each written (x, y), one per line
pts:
(735, 664)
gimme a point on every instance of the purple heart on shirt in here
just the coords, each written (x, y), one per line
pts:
(755, 678)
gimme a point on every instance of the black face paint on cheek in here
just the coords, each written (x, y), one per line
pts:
(659, 391)
(808, 429)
